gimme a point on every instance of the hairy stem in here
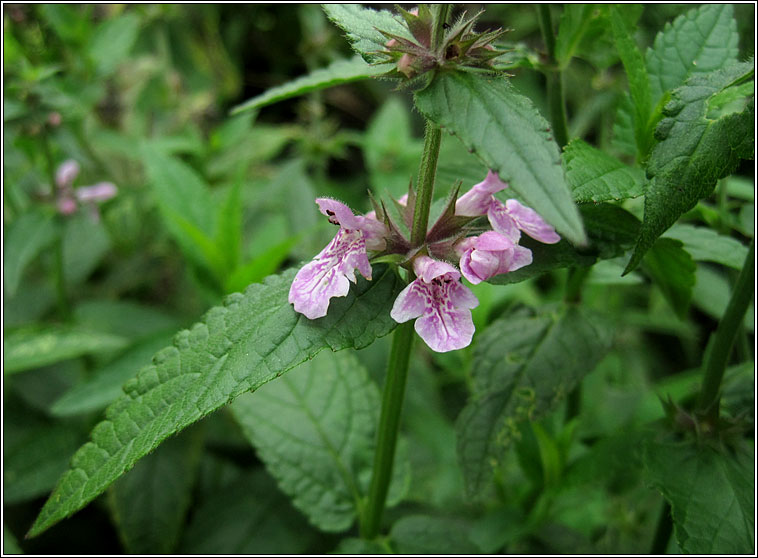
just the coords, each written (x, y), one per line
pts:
(555, 92)
(720, 346)
(427, 172)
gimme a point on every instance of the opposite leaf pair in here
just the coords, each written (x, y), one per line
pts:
(436, 298)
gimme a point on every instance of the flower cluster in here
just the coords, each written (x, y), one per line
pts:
(437, 299)
(69, 198)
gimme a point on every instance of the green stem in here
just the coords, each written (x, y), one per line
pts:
(717, 353)
(663, 530)
(427, 172)
(574, 283)
(554, 77)
(389, 422)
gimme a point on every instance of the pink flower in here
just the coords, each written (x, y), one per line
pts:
(329, 274)
(509, 218)
(69, 197)
(440, 303)
(490, 254)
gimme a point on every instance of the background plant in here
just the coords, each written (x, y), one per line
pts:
(561, 388)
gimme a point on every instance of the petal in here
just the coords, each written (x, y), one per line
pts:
(485, 264)
(529, 221)
(101, 191)
(66, 173)
(446, 330)
(313, 287)
(501, 220)
(522, 257)
(338, 213)
(493, 241)
(427, 269)
(374, 231)
(477, 200)
(461, 296)
(466, 269)
(411, 302)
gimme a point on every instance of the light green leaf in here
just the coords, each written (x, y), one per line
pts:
(113, 40)
(706, 245)
(238, 347)
(712, 494)
(694, 152)
(229, 226)
(574, 22)
(263, 265)
(508, 134)
(699, 41)
(523, 367)
(104, 386)
(123, 317)
(712, 292)
(336, 73)
(85, 243)
(10, 544)
(362, 26)
(25, 238)
(314, 429)
(595, 176)
(249, 516)
(673, 270)
(420, 534)
(636, 74)
(150, 502)
(32, 347)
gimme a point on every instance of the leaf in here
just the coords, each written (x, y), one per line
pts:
(699, 41)
(105, 385)
(419, 534)
(150, 502)
(636, 74)
(123, 317)
(314, 429)
(673, 270)
(229, 227)
(85, 243)
(694, 152)
(263, 265)
(706, 245)
(336, 73)
(238, 347)
(250, 516)
(362, 26)
(574, 21)
(523, 367)
(508, 134)
(712, 292)
(32, 347)
(113, 40)
(10, 544)
(360, 546)
(712, 494)
(25, 238)
(594, 176)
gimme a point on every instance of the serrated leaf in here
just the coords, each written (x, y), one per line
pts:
(420, 534)
(314, 429)
(508, 134)
(699, 41)
(523, 367)
(694, 152)
(712, 494)
(32, 347)
(362, 27)
(25, 238)
(706, 245)
(238, 347)
(336, 73)
(673, 270)
(594, 176)
(149, 503)
(249, 516)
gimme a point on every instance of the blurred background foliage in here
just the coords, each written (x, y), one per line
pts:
(139, 95)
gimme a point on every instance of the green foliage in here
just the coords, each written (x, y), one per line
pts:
(523, 368)
(327, 411)
(338, 72)
(505, 130)
(711, 492)
(416, 534)
(28, 235)
(706, 245)
(694, 151)
(233, 355)
(595, 176)
(673, 270)
(362, 26)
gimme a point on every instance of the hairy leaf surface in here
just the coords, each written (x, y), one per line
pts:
(362, 27)
(706, 245)
(595, 176)
(238, 347)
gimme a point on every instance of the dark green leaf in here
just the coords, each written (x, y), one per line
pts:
(595, 176)
(712, 292)
(419, 534)
(701, 40)
(694, 152)
(337, 73)
(360, 546)
(238, 347)
(673, 270)
(113, 40)
(508, 134)
(10, 544)
(123, 317)
(149, 503)
(249, 516)
(25, 238)
(523, 367)
(712, 494)
(314, 429)
(362, 27)
(706, 245)
(32, 347)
